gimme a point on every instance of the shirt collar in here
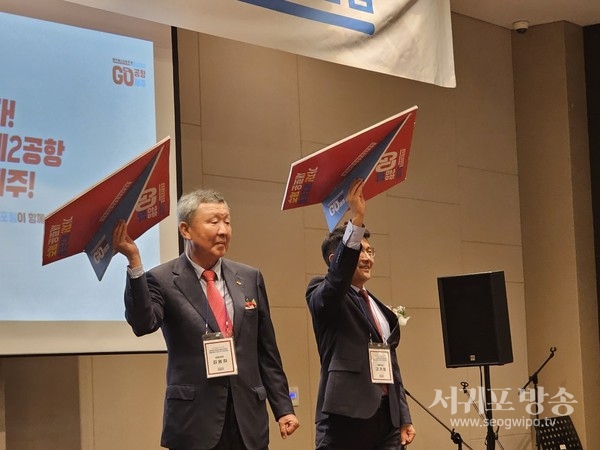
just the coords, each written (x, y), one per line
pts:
(357, 289)
(199, 269)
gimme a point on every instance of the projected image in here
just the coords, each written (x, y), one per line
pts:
(75, 105)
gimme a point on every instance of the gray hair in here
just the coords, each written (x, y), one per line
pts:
(188, 203)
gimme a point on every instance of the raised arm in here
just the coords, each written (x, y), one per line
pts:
(123, 244)
(356, 202)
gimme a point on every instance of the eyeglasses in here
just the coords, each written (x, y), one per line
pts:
(369, 251)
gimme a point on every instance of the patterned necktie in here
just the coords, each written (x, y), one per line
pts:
(216, 302)
(365, 295)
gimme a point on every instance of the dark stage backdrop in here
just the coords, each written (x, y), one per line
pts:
(591, 38)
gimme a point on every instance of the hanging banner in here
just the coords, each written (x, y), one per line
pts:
(405, 38)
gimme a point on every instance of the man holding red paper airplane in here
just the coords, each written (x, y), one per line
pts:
(219, 375)
(361, 403)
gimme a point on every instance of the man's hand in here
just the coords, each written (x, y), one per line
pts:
(407, 434)
(287, 425)
(356, 202)
(123, 244)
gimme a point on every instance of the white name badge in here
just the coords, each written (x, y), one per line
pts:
(380, 360)
(219, 355)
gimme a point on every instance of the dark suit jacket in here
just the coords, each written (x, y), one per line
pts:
(342, 333)
(170, 297)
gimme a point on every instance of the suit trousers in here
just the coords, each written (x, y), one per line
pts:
(346, 433)
(231, 439)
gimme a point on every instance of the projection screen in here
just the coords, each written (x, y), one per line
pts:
(82, 92)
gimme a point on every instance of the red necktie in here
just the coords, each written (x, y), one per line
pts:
(216, 302)
(365, 296)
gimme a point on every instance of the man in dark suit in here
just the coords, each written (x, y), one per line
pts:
(358, 407)
(204, 409)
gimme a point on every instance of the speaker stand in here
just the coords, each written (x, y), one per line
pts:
(534, 379)
(490, 440)
(456, 438)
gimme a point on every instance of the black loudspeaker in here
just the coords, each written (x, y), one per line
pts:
(475, 319)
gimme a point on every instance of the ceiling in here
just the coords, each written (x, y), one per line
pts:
(505, 12)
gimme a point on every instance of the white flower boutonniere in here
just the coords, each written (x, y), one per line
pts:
(400, 312)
